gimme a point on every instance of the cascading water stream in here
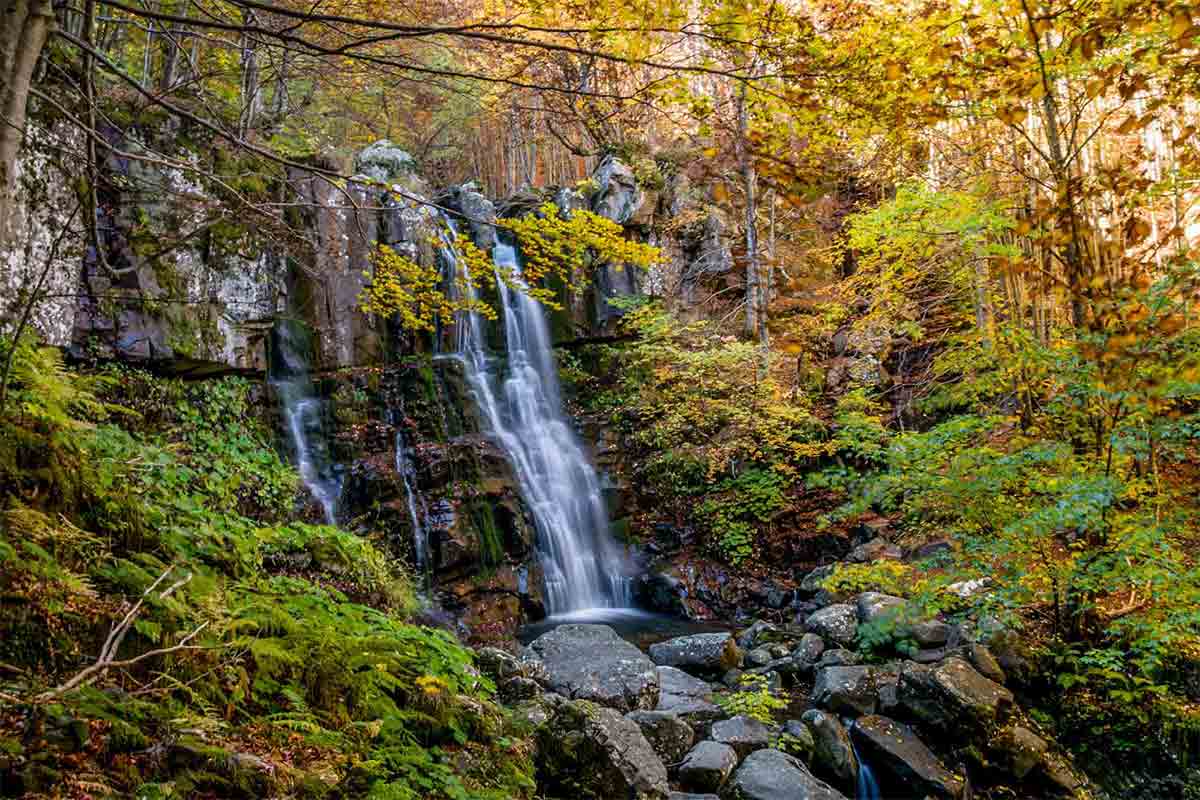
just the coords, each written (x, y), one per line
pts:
(303, 415)
(868, 787)
(416, 516)
(522, 409)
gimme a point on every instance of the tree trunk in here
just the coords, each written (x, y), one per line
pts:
(750, 187)
(23, 32)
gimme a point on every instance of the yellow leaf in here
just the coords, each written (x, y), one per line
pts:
(894, 71)
(1180, 24)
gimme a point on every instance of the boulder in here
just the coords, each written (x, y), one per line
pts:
(589, 751)
(931, 633)
(953, 696)
(704, 653)
(894, 750)
(875, 550)
(590, 662)
(833, 754)
(707, 766)
(688, 698)
(811, 583)
(744, 734)
(670, 736)
(809, 650)
(774, 775)
(982, 659)
(1021, 749)
(846, 690)
(836, 623)
(756, 634)
(799, 740)
(839, 657)
(758, 657)
(877, 607)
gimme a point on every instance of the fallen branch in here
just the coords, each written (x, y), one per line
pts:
(107, 658)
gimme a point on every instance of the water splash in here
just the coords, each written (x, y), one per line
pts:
(521, 407)
(303, 414)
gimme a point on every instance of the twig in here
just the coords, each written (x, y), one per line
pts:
(107, 658)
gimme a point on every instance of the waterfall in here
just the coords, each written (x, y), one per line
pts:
(521, 408)
(408, 473)
(868, 787)
(303, 414)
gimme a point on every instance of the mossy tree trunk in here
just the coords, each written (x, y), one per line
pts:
(24, 26)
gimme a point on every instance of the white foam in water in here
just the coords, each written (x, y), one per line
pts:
(522, 409)
(302, 411)
(407, 472)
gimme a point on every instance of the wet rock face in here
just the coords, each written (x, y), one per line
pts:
(594, 753)
(852, 690)
(774, 775)
(591, 662)
(902, 759)
(688, 698)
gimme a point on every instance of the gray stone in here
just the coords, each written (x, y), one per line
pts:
(733, 678)
(1021, 749)
(688, 698)
(846, 690)
(987, 665)
(384, 161)
(809, 650)
(837, 623)
(591, 662)
(750, 638)
(833, 754)
(839, 657)
(811, 584)
(774, 775)
(875, 550)
(778, 651)
(589, 751)
(670, 736)
(707, 766)
(953, 696)
(758, 657)
(798, 740)
(893, 749)
(705, 653)
(930, 633)
(689, 796)
(877, 607)
(744, 734)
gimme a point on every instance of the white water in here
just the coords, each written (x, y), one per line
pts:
(522, 409)
(407, 473)
(302, 413)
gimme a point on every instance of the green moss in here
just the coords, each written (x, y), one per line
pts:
(491, 543)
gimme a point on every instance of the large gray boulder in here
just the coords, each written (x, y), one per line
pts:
(953, 696)
(744, 734)
(836, 623)
(847, 690)
(808, 651)
(903, 759)
(590, 662)
(707, 766)
(688, 698)
(774, 775)
(670, 736)
(832, 753)
(593, 753)
(703, 653)
(876, 607)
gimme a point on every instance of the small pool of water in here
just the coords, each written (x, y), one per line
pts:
(640, 628)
